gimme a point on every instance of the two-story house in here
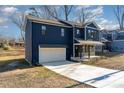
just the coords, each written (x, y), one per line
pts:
(56, 40)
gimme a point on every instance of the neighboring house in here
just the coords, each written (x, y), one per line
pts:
(106, 38)
(55, 40)
(19, 44)
(118, 42)
(114, 40)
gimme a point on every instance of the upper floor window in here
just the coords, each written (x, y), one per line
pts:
(43, 27)
(78, 31)
(43, 30)
(88, 31)
(62, 32)
(91, 33)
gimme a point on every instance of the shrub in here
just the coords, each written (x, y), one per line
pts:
(6, 47)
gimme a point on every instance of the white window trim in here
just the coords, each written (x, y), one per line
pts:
(43, 27)
(89, 31)
(92, 28)
(78, 32)
(62, 32)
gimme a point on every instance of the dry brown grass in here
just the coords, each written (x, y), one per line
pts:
(25, 76)
(12, 52)
(38, 77)
(112, 61)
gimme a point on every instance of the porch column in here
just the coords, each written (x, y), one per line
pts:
(102, 50)
(82, 50)
(73, 50)
(89, 51)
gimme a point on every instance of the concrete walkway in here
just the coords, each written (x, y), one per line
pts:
(94, 76)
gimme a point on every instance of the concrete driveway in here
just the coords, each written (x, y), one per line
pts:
(94, 76)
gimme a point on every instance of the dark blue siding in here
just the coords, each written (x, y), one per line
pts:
(52, 37)
(89, 32)
(81, 33)
(28, 42)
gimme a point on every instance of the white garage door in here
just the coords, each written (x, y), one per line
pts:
(52, 54)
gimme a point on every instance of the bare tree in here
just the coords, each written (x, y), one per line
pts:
(47, 12)
(34, 12)
(119, 14)
(19, 19)
(1, 39)
(86, 15)
(53, 12)
(4, 39)
(67, 11)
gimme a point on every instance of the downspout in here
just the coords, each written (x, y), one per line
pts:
(73, 40)
(85, 33)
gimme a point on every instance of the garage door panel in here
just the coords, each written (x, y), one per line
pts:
(51, 54)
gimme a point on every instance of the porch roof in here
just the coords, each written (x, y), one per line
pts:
(88, 42)
(104, 40)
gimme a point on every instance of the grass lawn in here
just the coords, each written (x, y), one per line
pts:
(111, 60)
(24, 76)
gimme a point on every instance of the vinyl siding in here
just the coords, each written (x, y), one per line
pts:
(28, 41)
(81, 33)
(52, 37)
(118, 46)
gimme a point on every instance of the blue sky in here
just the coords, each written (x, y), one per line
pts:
(106, 19)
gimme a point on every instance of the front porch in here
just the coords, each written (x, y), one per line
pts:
(86, 50)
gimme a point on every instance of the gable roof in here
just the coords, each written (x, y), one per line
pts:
(56, 22)
(72, 23)
(93, 23)
(46, 21)
(87, 42)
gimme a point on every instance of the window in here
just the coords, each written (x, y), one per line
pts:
(43, 30)
(89, 31)
(43, 27)
(62, 32)
(78, 31)
(92, 34)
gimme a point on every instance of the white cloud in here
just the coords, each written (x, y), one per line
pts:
(3, 20)
(106, 24)
(9, 10)
(91, 9)
(91, 12)
(4, 26)
(97, 11)
(82, 7)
